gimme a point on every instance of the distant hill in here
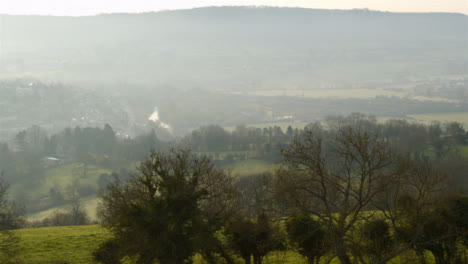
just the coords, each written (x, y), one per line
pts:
(237, 48)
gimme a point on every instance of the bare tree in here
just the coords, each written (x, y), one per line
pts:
(407, 203)
(35, 138)
(11, 218)
(349, 179)
(78, 214)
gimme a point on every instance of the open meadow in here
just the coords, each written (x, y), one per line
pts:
(461, 117)
(67, 244)
(62, 181)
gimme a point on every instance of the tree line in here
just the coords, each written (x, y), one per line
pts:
(436, 139)
(34, 150)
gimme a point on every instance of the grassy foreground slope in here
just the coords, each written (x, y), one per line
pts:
(74, 245)
(68, 244)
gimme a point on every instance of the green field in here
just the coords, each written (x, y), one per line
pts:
(249, 166)
(464, 151)
(89, 204)
(326, 93)
(62, 178)
(223, 154)
(60, 244)
(461, 117)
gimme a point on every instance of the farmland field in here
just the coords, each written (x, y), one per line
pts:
(60, 178)
(461, 117)
(327, 93)
(249, 166)
(89, 204)
(63, 179)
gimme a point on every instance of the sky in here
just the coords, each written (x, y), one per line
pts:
(92, 7)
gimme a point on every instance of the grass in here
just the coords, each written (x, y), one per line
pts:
(64, 175)
(327, 93)
(461, 117)
(249, 166)
(61, 178)
(89, 204)
(464, 151)
(223, 154)
(71, 244)
(75, 244)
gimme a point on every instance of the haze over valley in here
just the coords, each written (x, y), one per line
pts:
(187, 63)
(226, 134)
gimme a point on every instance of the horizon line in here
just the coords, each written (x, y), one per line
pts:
(229, 6)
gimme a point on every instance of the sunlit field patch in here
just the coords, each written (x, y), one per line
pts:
(250, 166)
(461, 117)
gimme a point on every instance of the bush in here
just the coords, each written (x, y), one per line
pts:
(76, 215)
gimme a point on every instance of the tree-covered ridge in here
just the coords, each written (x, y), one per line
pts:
(268, 39)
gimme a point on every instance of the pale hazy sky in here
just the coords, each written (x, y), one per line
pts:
(91, 7)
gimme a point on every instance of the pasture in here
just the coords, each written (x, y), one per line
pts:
(63, 180)
(249, 166)
(68, 244)
(461, 117)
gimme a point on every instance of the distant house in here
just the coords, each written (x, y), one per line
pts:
(51, 161)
